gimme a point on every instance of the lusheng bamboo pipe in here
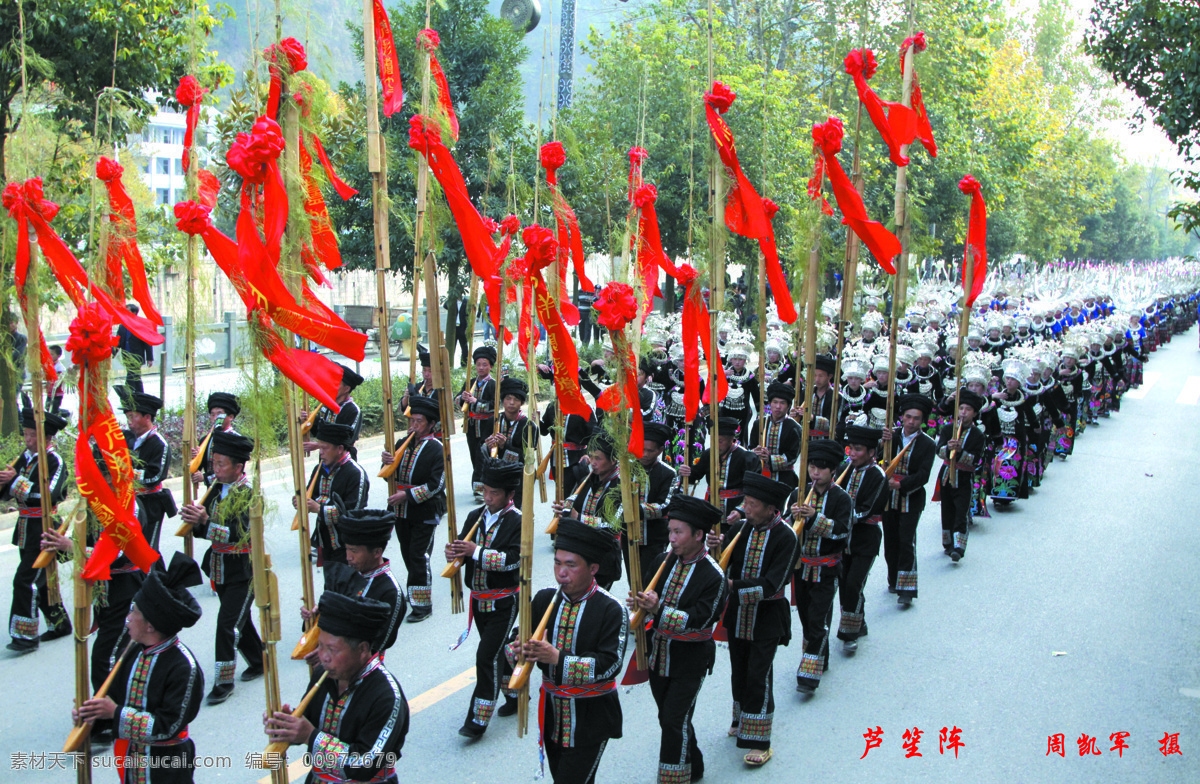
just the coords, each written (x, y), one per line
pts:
(194, 466)
(895, 463)
(307, 424)
(308, 640)
(312, 485)
(553, 527)
(635, 620)
(80, 733)
(520, 679)
(279, 746)
(798, 526)
(727, 553)
(389, 469)
(46, 557)
(186, 528)
(843, 476)
(541, 469)
(453, 567)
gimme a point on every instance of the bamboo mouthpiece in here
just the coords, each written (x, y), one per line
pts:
(389, 469)
(80, 732)
(727, 553)
(46, 557)
(308, 423)
(454, 566)
(636, 619)
(279, 746)
(520, 678)
(308, 641)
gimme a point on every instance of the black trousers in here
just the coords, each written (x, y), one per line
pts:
(133, 372)
(489, 658)
(956, 512)
(111, 634)
(151, 516)
(575, 765)
(235, 631)
(475, 450)
(814, 605)
(585, 325)
(900, 550)
(856, 567)
(460, 339)
(416, 547)
(752, 681)
(30, 593)
(679, 757)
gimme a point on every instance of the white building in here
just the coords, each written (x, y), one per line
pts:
(160, 145)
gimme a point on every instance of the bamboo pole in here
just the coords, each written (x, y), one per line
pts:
(902, 219)
(849, 282)
(439, 362)
(422, 207)
(963, 324)
(291, 117)
(266, 598)
(524, 619)
(716, 287)
(810, 348)
(377, 165)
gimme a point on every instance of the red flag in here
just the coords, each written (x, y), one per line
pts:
(924, 129)
(976, 253)
(827, 138)
(745, 212)
(389, 65)
(898, 125)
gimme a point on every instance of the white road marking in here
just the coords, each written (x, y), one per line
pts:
(1190, 395)
(1149, 379)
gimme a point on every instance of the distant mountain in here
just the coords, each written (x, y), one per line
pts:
(322, 26)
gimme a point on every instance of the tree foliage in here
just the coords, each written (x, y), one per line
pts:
(1150, 46)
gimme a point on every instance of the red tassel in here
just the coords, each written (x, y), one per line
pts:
(976, 238)
(882, 243)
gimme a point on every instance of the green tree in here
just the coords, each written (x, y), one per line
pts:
(1150, 47)
(69, 55)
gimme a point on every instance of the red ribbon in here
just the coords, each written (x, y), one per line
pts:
(343, 190)
(263, 293)
(429, 40)
(209, 187)
(481, 251)
(817, 180)
(637, 156)
(539, 242)
(650, 254)
(323, 250)
(122, 241)
(188, 94)
(976, 252)
(899, 125)
(91, 342)
(695, 322)
(570, 241)
(26, 203)
(293, 53)
(827, 138)
(745, 212)
(615, 307)
(779, 287)
(562, 351)
(924, 129)
(389, 65)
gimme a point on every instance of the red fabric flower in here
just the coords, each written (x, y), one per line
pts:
(303, 98)
(189, 91)
(490, 225)
(517, 272)
(771, 208)
(540, 246)
(192, 218)
(720, 97)
(917, 40)
(421, 128)
(615, 306)
(553, 156)
(637, 155)
(429, 39)
(861, 61)
(108, 170)
(686, 275)
(92, 337)
(510, 225)
(292, 49)
(828, 135)
(28, 195)
(249, 153)
(644, 195)
(969, 185)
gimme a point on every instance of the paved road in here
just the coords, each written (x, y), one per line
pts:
(1073, 613)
